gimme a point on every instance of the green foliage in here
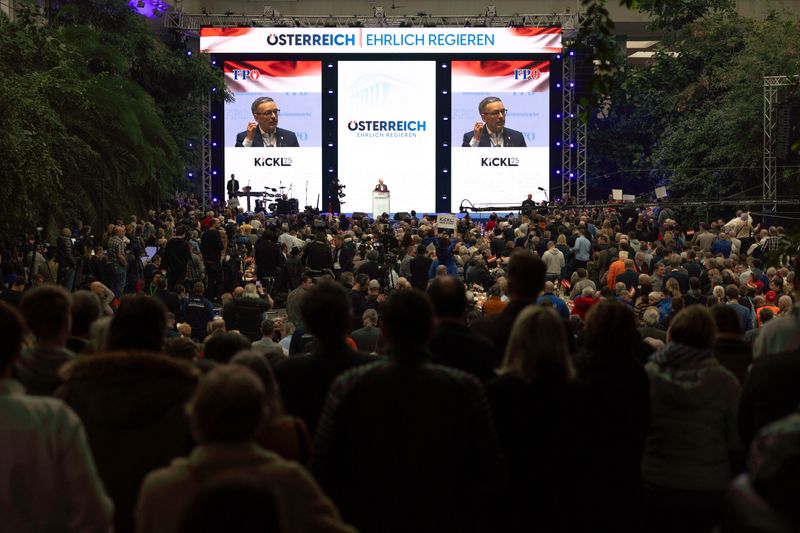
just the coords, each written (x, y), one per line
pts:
(97, 115)
(676, 14)
(693, 117)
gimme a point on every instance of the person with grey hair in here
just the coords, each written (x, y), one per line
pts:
(491, 132)
(651, 328)
(367, 337)
(265, 131)
(226, 413)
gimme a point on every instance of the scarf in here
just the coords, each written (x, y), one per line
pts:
(676, 354)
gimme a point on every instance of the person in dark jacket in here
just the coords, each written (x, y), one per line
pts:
(177, 254)
(248, 312)
(268, 256)
(730, 348)
(398, 458)
(198, 311)
(419, 268)
(317, 255)
(453, 344)
(304, 380)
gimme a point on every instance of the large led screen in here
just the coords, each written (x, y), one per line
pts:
(502, 154)
(273, 139)
(387, 130)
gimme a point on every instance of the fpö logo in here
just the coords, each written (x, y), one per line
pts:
(527, 74)
(246, 74)
(387, 125)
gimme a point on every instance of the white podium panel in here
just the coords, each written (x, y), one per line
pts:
(380, 203)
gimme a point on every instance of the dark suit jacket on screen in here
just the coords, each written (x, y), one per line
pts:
(511, 138)
(283, 138)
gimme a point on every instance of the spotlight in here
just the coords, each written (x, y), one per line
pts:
(140, 4)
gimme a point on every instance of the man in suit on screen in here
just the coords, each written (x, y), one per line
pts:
(492, 131)
(265, 131)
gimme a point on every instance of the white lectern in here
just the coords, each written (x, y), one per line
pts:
(380, 203)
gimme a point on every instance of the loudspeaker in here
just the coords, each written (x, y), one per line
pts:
(785, 129)
(401, 215)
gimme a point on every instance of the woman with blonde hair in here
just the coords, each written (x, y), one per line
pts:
(532, 403)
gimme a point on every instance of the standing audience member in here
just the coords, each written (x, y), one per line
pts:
(613, 407)
(226, 412)
(47, 312)
(445, 471)
(305, 379)
(48, 478)
(452, 343)
(692, 444)
(366, 337)
(525, 281)
(533, 406)
(730, 348)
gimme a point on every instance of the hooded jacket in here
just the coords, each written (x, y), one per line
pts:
(693, 408)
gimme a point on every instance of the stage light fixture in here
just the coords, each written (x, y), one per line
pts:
(140, 4)
(491, 10)
(378, 12)
(269, 11)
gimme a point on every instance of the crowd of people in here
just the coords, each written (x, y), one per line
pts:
(557, 369)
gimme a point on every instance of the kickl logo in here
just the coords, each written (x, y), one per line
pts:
(499, 161)
(272, 161)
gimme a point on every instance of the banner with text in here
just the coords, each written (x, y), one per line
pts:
(380, 40)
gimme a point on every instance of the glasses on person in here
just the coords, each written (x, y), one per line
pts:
(496, 113)
(269, 112)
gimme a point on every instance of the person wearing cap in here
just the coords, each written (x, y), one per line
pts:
(767, 303)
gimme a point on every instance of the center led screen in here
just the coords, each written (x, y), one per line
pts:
(387, 130)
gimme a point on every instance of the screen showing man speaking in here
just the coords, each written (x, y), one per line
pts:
(500, 131)
(273, 140)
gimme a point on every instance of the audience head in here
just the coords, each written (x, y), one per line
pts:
(46, 310)
(611, 329)
(369, 318)
(227, 406)
(180, 348)
(85, 310)
(726, 319)
(525, 276)
(139, 324)
(694, 327)
(537, 347)
(327, 312)
(448, 297)
(222, 346)
(407, 320)
(259, 365)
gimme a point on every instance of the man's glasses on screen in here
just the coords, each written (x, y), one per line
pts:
(496, 113)
(269, 112)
